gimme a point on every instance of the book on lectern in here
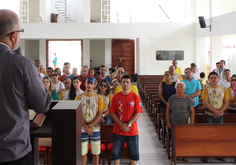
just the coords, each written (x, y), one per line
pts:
(36, 120)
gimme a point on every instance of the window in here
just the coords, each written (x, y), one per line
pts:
(66, 51)
(169, 55)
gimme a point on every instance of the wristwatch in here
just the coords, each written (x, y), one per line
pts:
(90, 126)
(129, 125)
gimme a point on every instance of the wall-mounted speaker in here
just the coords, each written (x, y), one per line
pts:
(202, 22)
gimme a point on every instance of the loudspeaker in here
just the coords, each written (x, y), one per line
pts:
(202, 22)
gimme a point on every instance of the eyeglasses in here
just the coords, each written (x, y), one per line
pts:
(54, 74)
(102, 85)
(233, 80)
(18, 31)
(40, 68)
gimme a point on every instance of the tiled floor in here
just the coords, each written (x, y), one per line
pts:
(152, 152)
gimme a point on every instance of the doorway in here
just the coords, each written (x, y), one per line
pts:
(66, 51)
(123, 53)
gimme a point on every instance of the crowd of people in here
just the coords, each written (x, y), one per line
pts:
(180, 96)
(99, 105)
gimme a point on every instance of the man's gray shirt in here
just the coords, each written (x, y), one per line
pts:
(20, 88)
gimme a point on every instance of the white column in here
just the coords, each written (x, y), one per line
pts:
(137, 56)
(201, 53)
(86, 52)
(45, 10)
(108, 53)
(22, 46)
(43, 52)
(217, 50)
(143, 50)
(86, 11)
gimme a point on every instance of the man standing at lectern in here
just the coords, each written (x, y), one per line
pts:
(20, 88)
(92, 110)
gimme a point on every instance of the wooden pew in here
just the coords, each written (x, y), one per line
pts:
(199, 118)
(204, 141)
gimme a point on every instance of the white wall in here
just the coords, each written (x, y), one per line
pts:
(32, 49)
(42, 52)
(97, 53)
(86, 53)
(83, 9)
(108, 53)
(217, 50)
(144, 57)
(201, 53)
(95, 9)
(159, 67)
(33, 10)
(221, 25)
(99, 30)
(137, 56)
(22, 46)
(221, 7)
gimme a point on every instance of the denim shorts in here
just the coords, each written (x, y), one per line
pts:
(210, 119)
(132, 144)
(108, 119)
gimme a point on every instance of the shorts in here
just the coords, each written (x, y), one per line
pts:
(132, 144)
(94, 141)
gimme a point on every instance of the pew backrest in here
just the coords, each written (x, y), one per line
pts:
(204, 140)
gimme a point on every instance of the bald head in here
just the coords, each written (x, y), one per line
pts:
(9, 22)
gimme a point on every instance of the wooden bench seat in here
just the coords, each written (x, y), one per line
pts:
(204, 141)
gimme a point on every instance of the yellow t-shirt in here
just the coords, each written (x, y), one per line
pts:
(215, 97)
(62, 94)
(107, 100)
(178, 70)
(132, 88)
(90, 107)
(113, 75)
(176, 78)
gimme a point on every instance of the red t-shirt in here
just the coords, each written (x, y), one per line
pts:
(82, 86)
(61, 78)
(125, 106)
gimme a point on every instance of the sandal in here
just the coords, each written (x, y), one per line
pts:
(185, 160)
(203, 159)
(222, 159)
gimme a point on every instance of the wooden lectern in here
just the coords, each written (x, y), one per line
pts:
(63, 125)
(66, 133)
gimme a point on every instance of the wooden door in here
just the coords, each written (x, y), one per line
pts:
(124, 49)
